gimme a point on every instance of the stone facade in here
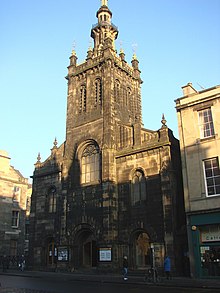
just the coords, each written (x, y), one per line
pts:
(15, 197)
(199, 128)
(113, 187)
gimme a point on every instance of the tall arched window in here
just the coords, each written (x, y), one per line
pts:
(90, 164)
(98, 92)
(117, 90)
(82, 106)
(128, 96)
(52, 200)
(138, 188)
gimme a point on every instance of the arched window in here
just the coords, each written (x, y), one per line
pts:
(98, 92)
(117, 90)
(90, 164)
(128, 96)
(82, 106)
(52, 200)
(138, 188)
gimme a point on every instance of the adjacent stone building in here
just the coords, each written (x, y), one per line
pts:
(199, 128)
(113, 188)
(15, 200)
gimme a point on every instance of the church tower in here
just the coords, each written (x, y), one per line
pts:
(103, 112)
(112, 188)
(103, 94)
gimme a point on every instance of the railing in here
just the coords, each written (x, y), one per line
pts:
(103, 23)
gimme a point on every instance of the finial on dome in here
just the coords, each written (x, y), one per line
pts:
(134, 57)
(121, 53)
(163, 121)
(121, 49)
(73, 50)
(134, 49)
(73, 58)
(104, 2)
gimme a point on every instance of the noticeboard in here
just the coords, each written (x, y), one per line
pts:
(62, 254)
(105, 254)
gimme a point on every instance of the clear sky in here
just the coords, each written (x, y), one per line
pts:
(176, 41)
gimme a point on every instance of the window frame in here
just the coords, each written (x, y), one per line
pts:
(117, 90)
(206, 128)
(214, 172)
(140, 186)
(90, 164)
(52, 200)
(15, 217)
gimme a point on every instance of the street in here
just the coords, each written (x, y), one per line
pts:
(25, 284)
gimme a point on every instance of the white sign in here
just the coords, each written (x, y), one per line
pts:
(63, 254)
(210, 236)
(105, 254)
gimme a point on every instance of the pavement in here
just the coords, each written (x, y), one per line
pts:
(185, 282)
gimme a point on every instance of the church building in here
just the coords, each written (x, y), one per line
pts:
(112, 188)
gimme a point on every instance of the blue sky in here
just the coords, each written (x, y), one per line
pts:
(177, 41)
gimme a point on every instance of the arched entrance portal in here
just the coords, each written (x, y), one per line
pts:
(85, 251)
(141, 250)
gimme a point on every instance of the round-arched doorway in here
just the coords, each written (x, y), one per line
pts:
(84, 250)
(141, 250)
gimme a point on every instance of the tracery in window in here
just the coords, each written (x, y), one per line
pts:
(90, 164)
(138, 188)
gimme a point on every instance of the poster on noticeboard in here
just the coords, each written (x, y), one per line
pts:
(105, 254)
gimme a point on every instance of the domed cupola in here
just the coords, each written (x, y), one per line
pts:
(104, 28)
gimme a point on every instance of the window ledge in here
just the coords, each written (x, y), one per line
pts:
(198, 140)
(204, 197)
(213, 195)
(97, 182)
